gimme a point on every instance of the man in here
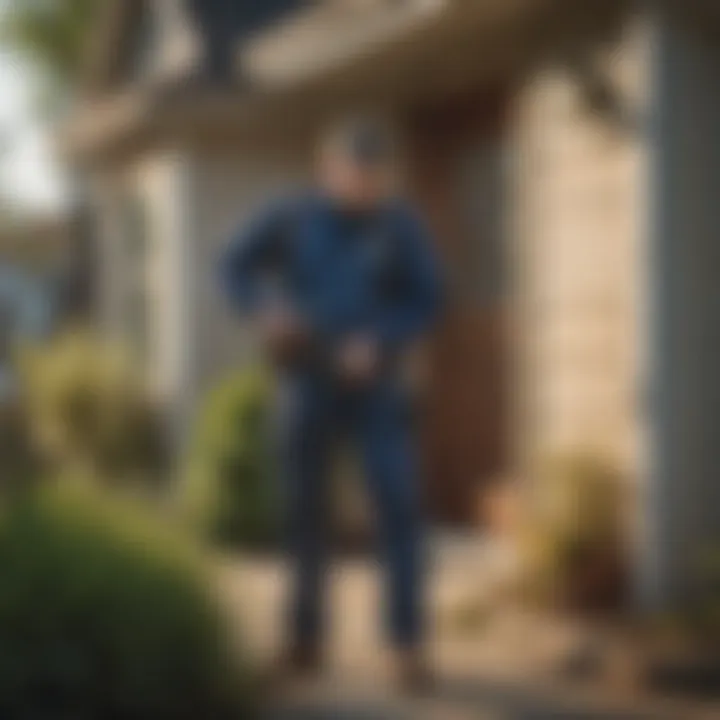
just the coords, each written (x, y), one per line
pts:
(341, 282)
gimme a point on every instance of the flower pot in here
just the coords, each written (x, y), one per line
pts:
(499, 509)
(595, 582)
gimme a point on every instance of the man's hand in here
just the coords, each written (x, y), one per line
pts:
(284, 335)
(358, 360)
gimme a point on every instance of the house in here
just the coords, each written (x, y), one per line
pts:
(567, 156)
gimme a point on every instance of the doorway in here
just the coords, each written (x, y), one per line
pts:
(457, 166)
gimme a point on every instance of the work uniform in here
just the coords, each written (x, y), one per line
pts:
(345, 274)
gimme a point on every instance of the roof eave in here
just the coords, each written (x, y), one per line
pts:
(402, 66)
(331, 36)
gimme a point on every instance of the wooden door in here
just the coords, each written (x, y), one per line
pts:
(456, 152)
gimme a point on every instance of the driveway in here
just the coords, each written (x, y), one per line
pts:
(498, 670)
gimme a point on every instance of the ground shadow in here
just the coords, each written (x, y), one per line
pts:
(465, 698)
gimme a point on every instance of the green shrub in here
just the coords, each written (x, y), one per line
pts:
(18, 459)
(90, 412)
(707, 608)
(695, 618)
(229, 491)
(105, 614)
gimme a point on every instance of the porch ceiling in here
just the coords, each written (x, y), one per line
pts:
(320, 62)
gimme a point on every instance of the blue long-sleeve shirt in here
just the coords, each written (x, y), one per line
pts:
(343, 272)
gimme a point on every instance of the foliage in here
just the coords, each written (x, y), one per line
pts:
(573, 534)
(18, 460)
(105, 613)
(53, 33)
(707, 611)
(228, 493)
(89, 410)
(697, 620)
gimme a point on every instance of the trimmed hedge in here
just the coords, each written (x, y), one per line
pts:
(19, 463)
(229, 493)
(106, 614)
(90, 412)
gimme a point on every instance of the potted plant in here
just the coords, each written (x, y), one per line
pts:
(573, 537)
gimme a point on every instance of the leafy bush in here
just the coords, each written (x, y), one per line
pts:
(573, 536)
(105, 614)
(229, 492)
(695, 619)
(18, 460)
(89, 410)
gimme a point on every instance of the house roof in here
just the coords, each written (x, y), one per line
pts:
(318, 58)
(331, 35)
(218, 25)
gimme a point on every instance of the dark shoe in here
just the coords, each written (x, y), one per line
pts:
(296, 663)
(412, 673)
(303, 660)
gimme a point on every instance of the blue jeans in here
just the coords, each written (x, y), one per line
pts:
(316, 411)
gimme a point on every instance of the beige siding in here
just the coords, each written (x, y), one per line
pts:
(227, 192)
(110, 271)
(579, 206)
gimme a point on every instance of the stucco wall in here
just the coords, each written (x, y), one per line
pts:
(578, 208)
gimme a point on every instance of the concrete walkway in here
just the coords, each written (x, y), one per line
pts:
(497, 672)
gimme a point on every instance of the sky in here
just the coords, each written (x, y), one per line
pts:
(29, 177)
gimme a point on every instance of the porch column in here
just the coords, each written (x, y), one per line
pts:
(176, 321)
(682, 506)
